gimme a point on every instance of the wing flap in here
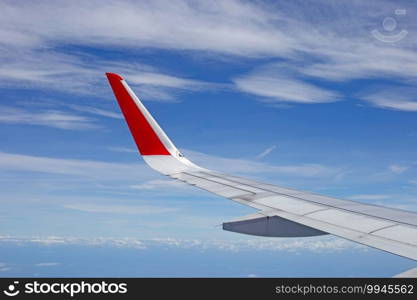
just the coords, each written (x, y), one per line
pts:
(272, 226)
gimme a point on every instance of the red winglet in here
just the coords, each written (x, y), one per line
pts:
(144, 135)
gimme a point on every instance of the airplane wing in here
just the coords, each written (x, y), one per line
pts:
(282, 212)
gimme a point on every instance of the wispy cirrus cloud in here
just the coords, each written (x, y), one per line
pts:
(154, 85)
(72, 167)
(170, 187)
(48, 264)
(4, 267)
(51, 118)
(236, 165)
(398, 169)
(392, 170)
(266, 152)
(129, 179)
(123, 149)
(83, 74)
(157, 79)
(272, 88)
(159, 184)
(96, 111)
(120, 209)
(395, 98)
(12, 161)
(369, 197)
(233, 27)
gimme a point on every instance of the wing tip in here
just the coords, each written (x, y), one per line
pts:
(114, 76)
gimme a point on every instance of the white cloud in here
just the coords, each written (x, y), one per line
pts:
(96, 111)
(369, 197)
(266, 152)
(168, 187)
(236, 165)
(57, 241)
(390, 172)
(277, 88)
(163, 87)
(151, 83)
(51, 118)
(160, 184)
(395, 98)
(155, 79)
(233, 26)
(122, 149)
(109, 170)
(365, 60)
(47, 264)
(320, 244)
(120, 209)
(33, 68)
(397, 168)
(394, 104)
(75, 167)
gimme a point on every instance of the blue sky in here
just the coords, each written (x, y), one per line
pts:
(298, 93)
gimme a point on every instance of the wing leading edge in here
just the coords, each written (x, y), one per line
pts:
(281, 211)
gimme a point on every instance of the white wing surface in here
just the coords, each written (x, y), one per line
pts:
(282, 212)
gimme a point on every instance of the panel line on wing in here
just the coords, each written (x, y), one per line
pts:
(312, 212)
(317, 202)
(382, 228)
(378, 221)
(229, 185)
